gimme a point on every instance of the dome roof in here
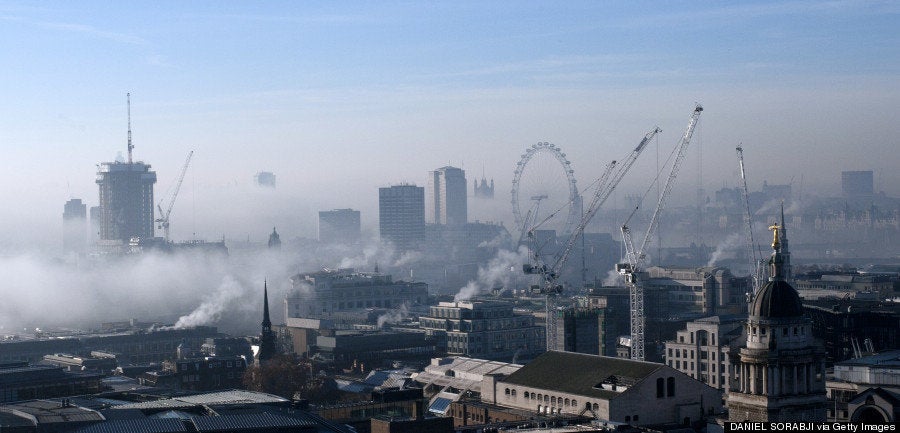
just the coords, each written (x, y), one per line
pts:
(777, 299)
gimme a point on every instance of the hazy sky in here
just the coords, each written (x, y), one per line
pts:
(339, 98)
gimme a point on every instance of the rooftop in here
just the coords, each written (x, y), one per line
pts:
(583, 375)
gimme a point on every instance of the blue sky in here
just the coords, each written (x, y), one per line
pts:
(339, 98)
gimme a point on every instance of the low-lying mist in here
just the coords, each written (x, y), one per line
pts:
(184, 289)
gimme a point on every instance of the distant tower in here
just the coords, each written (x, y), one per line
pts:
(265, 179)
(785, 250)
(780, 374)
(74, 226)
(484, 190)
(274, 240)
(858, 184)
(401, 214)
(268, 344)
(126, 197)
(339, 226)
(445, 198)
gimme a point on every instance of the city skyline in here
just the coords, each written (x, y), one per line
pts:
(381, 94)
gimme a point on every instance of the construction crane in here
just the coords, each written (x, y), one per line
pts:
(163, 220)
(605, 185)
(754, 254)
(634, 258)
(130, 146)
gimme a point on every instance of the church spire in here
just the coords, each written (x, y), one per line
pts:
(266, 323)
(268, 345)
(785, 250)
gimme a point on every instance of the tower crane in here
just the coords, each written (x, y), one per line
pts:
(163, 220)
(635, 258)
(607, 182)
(754, 257)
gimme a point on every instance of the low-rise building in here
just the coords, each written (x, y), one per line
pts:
(22, 381)
(320, 295)
(613, 389)
(484, 329)
(701, 350)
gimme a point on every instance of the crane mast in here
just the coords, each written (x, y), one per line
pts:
(130, 146)
(754, 256)
(635, 257)
(163, 219)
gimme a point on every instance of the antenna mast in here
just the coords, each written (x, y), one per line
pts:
(130, 146)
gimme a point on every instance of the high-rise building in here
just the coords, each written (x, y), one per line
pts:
(401, 213)
(74, 226)
(339, 226)
(780, 374)
(857, 184)
(126, 200)
(126, 197)
(446, 197)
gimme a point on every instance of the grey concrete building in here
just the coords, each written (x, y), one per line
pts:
(325, 294)
(701, 350)
(445, 199)
(339, 226)
(401, 215)
(75, 226)
(484, 329)
(126, 200)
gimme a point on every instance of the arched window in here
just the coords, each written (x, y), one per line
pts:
(574, 403)
(513, 393)
(553, 401)
(660, 388)
(670, 387)
(627, 418)
(526, 394)
(567, 402)
(507, 391)
(596, 407)
(546, 399)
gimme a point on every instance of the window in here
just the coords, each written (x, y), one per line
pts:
(514, 393)
(526, 394)
(670, 387)
(627, 418)
(507, 391)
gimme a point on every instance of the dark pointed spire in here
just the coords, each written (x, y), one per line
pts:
(266, 323)
(268, 345)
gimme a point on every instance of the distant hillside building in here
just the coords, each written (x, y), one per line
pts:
(445, 197)
(339, 226)
(75, 226)
(126, 201)
(401, 215)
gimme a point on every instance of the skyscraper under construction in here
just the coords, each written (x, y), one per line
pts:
(126, 197)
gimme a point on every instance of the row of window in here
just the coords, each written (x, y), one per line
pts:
(546, 398)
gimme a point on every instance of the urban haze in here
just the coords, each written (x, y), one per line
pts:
(394, 188)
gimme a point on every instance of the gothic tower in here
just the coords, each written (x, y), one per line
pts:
(780, 374)
(268, 346)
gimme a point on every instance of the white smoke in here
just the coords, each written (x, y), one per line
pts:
(613, 279)
(732, 241)
(500, 271)
(408, 257)
(227, 296)
(395, 316)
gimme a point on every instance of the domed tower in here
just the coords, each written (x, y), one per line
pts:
(780, 374)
